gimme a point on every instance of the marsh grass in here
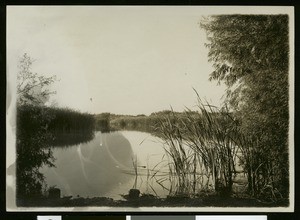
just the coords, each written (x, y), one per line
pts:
(201, 151)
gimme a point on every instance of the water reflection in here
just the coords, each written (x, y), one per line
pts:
(104, 166)
(71, 138)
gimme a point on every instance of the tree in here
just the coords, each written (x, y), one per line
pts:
(33, 135)
(33, 150)
(250, 54)
(32, 88)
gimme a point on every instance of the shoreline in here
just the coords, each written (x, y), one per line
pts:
(148, 200)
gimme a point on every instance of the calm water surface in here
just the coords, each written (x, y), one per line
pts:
(105, 166)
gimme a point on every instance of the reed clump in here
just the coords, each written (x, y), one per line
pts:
(208, 150)
(201, 150)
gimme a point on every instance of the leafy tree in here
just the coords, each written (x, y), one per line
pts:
(33, 150)
(32, 88)
(250, 54)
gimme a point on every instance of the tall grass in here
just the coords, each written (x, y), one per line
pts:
(66, 120)
(206, 147)
(181, 159)
(201, 149)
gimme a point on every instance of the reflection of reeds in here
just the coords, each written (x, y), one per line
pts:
(134, 163)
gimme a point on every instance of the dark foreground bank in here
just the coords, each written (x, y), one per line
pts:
(148, 200)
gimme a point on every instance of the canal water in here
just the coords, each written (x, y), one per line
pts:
(110, 165)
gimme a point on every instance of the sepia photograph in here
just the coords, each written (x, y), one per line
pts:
(147, 108)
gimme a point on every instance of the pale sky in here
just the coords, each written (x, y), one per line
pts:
(128, 60)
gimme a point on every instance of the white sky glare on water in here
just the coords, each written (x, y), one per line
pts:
(128, 60)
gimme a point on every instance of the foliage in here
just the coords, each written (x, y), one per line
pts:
(201, 148)
(32, 88)
(67, 121)
(33, 136)
(39, 127)
(181, 159)
(69, 127)
(103, 122)
(33, 150)
(140, 122)
(250, 54)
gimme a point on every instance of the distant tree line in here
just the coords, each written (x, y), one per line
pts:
(102, 122)
(111, 122)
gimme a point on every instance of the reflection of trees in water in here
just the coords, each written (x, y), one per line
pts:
(34, 142)
(70, 139)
